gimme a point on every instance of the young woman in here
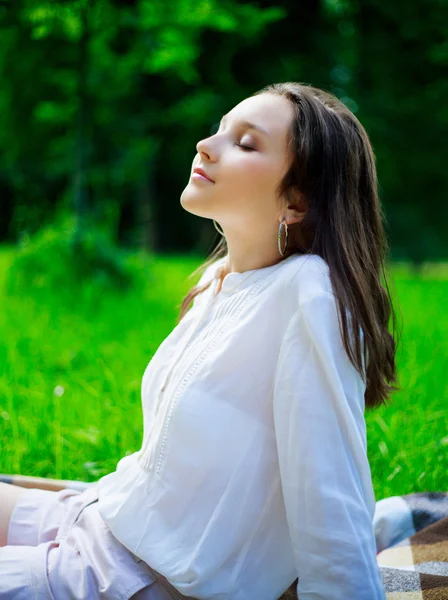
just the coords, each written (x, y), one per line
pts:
(253, 473)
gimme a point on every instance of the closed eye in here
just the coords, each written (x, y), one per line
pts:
(245, 148)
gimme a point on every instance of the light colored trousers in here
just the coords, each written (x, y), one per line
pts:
(59, 548)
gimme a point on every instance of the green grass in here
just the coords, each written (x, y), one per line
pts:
(70, 378)
(408, 438)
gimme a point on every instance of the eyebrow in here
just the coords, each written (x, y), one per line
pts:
(248, 125)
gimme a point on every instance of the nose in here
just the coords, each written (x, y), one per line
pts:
(204, 148)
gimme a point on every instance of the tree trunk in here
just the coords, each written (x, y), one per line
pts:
(80, 190)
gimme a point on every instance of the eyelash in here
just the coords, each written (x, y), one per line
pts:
(245, 148)
(242, 146)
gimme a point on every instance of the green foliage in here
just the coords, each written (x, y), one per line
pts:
(126, 89)
(61, 259)
(93, 114)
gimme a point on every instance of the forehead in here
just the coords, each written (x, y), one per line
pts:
(272, 112)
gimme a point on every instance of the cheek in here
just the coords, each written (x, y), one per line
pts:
(254, 174)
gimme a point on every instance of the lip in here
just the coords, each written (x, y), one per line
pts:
(202, 173)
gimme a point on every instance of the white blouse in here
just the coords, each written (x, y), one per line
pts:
(253, 468)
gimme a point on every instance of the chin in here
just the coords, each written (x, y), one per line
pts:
(193, 206)
(192, 202)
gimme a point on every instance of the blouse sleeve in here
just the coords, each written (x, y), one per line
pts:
(320, 431)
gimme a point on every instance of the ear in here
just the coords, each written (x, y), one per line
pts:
(296, 211)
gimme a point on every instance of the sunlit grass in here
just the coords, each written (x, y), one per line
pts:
(408, 439)
(70, 379)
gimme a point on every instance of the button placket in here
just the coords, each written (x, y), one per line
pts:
(173, 363)
(183, 345)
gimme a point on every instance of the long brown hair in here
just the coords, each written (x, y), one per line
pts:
(333, 168)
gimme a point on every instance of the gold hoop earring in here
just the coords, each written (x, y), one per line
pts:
(216, 227)
(279, 237)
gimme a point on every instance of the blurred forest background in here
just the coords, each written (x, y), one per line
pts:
(102, 103)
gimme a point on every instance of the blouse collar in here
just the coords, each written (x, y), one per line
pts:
(236, 281)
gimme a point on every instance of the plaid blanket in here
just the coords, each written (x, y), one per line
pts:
(411, 534)
(412, 539)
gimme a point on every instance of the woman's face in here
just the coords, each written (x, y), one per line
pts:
(246, 159)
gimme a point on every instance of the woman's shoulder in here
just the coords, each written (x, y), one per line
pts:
(308, 276)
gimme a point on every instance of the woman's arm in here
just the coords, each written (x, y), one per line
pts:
(325, 474)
